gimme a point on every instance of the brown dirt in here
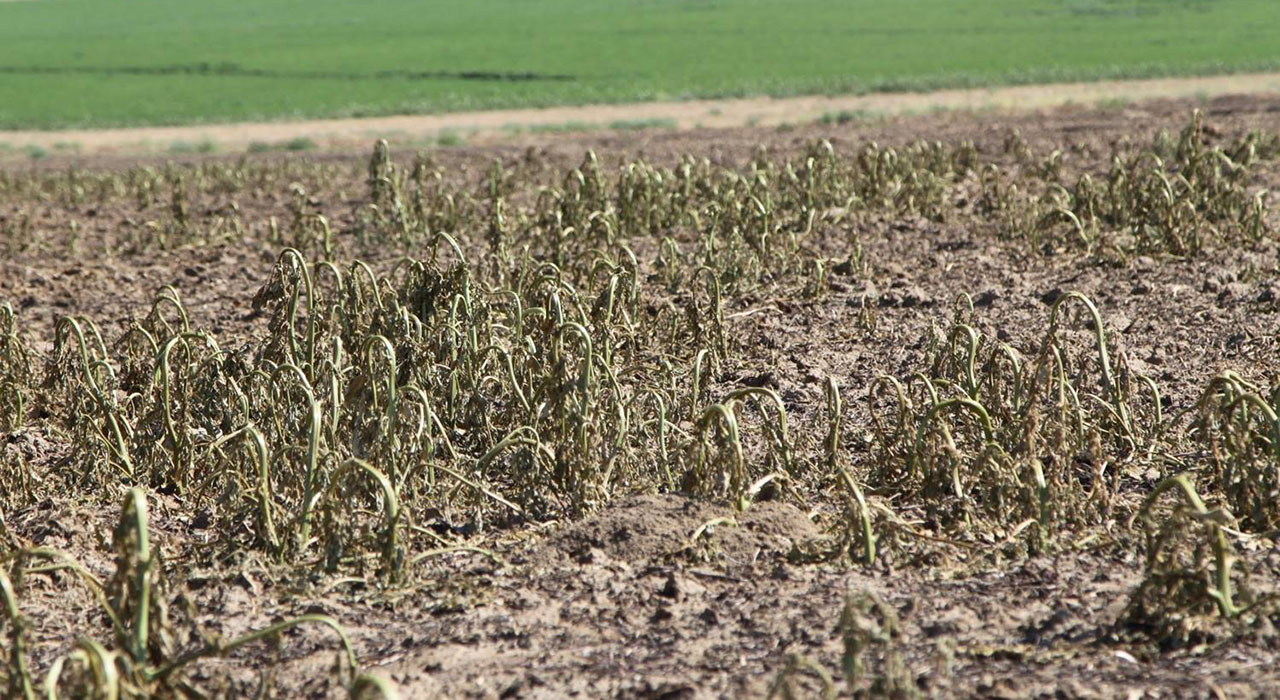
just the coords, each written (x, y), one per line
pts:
(504, 125)
(625, 603)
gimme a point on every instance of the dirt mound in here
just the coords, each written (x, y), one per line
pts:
(652, 529)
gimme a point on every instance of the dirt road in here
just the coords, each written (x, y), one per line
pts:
(491, 126)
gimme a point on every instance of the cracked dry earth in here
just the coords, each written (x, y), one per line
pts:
(662, 596)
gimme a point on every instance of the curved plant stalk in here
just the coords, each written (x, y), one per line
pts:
(132, 543)
(167, 669)
(1114, 393)
(100, 661)
(1247, 457)
(168, 296)
(304, 357)
(734, 477)
(781, 434)
(369, 685)
(717, 312)
(390, 505)
(524, 436)
(15, 371)
(835, 418)
(970, 357)
(903, 417)
(1013, 360)
(797, 663)
(968, 405)
(390, 399)
(260, 454)
(504, 356)
(660, 409)
(869, 538)
(696, 388)
(1221, 589)
(179, 438)
(312, 474)
(117, 426)
(20, 683)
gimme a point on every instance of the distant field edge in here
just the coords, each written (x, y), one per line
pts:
(777, 88)
(489, 126)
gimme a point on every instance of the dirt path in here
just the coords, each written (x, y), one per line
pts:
(491, 126)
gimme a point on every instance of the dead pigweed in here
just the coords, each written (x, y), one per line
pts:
(869, 627)
(15, 372)
(858, 529)
(1242, 431)
(569, 335)
(989, 440)
(145, 660)
(1177, 196)
(784, 686)
(1190, 567)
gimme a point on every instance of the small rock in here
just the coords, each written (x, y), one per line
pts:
(1234, 291)
(670, 589)
(764, 379)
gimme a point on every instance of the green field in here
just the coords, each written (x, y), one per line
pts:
(85, 63)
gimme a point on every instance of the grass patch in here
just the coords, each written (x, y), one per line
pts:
(301, 143)
(845, 116)
(637, 124)
(563, 127)
(450, 137)
(1114, 103)
(185, 147)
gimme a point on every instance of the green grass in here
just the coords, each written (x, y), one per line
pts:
(639, 124)
(300, 143)
(185, 147)
(846, 116)
(71, 63)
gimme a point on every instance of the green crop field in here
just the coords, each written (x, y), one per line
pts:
(84, 63)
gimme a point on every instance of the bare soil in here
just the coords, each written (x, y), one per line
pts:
(627, 602)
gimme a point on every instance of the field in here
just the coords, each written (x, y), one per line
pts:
(829, 412)
(76, 63)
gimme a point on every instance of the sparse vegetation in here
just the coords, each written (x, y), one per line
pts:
(439, 359)
(182, 147)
